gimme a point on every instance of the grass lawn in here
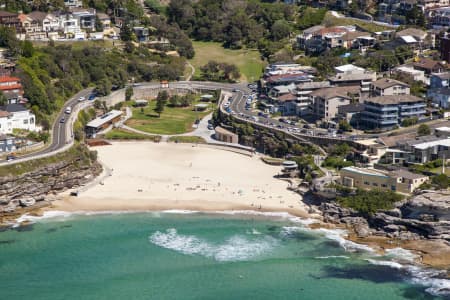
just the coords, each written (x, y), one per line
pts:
(248, 61)
(439, 170)
(122, 134)
(187, 139)
(331, 20)
(173, 120)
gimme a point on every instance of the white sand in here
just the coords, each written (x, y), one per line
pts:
(150, 176)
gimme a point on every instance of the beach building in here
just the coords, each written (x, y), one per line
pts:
(442, 132)
(103, 122)
(226, 136)
(400, 181)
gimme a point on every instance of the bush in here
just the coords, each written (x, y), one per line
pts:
(368, 202)
(441, 181)
(336, 162)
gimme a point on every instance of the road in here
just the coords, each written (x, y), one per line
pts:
(62, 135)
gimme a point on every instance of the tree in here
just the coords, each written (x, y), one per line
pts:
(424, 129)
(280, 29)
(128, 93)
(161, 100)
(344, 125)
(441, 180)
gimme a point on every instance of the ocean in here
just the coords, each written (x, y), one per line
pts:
(187, 255)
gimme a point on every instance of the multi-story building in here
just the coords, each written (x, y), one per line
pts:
(440, 97)
(389, 87)
(303, 91)
(411, 73)
(8, 19)
(10, 84)
(429, 66)
(85, 17)
(32, 24)
(360, 80)
(400, 181)
(426, 149)
(440, 80)
(385, 112)
(325, 102)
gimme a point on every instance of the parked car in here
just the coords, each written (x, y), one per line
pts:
(62, 120)
(11, 156)
(81, 99)
(210, 127)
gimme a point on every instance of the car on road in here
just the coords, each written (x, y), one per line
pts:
(68, 110)
(81, 99)
(11, 156)
(235, 90)
(210, 127)
(62, 120)
(91, 97)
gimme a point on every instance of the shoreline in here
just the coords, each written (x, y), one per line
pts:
(156, 174)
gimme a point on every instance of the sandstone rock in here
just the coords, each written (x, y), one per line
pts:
(27, 202)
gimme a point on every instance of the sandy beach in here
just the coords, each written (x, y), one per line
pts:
(160, 176)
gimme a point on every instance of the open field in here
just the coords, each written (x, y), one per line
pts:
(173, 120)
(248, 61)
(331, 20)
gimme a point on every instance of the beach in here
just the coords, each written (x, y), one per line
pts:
(161, 176)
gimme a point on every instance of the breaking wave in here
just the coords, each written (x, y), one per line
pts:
(236, 248)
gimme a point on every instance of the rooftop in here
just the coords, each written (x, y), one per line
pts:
(444, 128)
(332, 92)
(313, 85)
(13, 108)
(351, 108)
(412, 32)
(426, 145)
(104, 119)
(427, 63)
(349, 68)
(384, 83)
(406, 174)
(223, 131)
(352, 77)
(442, 76)
(370, 172)
(394, 99)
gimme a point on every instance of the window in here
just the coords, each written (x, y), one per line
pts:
(384, 185)
(366, 183)
(393, 187)
(31, 120)
(375, 184)
(25, 121)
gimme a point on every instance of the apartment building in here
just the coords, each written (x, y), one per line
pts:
(385, 112)
(325, 102)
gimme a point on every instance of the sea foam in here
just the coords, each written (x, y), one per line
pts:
(235, 248)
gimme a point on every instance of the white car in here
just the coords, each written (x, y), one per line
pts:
(81, 99)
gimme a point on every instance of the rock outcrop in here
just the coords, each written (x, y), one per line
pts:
(423, 216)
(32, 188)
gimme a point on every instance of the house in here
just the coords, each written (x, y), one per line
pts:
(426, 149)
(20, 116)
(429, 66)
(85, 17)
(142, 34)
(440, 97)
(357, 40)
(386, 112)
(8, 19)
(105, 20)
(51, 23)
(6, 125)
(442, 132)
(410, 73)
(389, 87)
(401, 181)
(325, 102)
(362, 80)
(418, 34)
(9, 84)
(70, 26)
(439, 80)
(32, 24)
(307, 34)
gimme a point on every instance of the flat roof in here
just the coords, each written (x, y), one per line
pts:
(207, 96)
(201, 105)
(104, 119)
(423, 146)
(362, 171)
(224, 131)
(349, 67)
(394, 99)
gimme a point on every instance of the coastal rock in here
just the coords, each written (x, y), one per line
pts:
(27, 202)
(436, 204)
(358, 224)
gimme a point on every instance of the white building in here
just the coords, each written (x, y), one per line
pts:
(51, 23)
(5, 122)
(19, 117)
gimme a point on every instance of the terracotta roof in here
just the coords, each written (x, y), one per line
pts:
(384, 83)
(9, 79)
(4, 114)
(10, 87)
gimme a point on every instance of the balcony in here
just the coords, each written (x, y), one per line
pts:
(413, 113)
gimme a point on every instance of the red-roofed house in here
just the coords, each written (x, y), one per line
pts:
(12, 89)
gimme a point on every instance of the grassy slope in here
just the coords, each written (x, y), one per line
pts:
(187, 139)
(248, 61)
(172, 120)
(330, 20)
(122, 134)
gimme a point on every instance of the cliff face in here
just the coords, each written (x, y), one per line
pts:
(33, 188)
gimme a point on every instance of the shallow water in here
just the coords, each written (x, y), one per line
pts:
(199, 256)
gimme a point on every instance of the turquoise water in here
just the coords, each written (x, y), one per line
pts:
(193, 256)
